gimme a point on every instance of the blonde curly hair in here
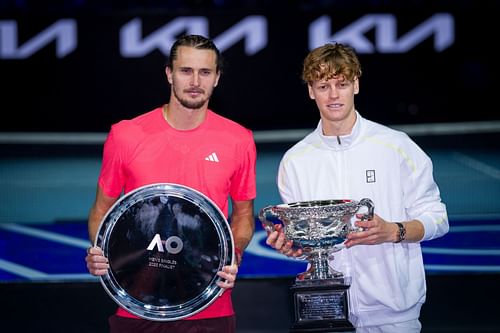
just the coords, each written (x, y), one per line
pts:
(332, 60)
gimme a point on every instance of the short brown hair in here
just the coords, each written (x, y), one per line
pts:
(330, 61)
(197, 42)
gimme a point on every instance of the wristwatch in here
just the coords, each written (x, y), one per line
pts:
(402, 232)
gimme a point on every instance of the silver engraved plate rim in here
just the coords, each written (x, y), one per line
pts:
(165, 312)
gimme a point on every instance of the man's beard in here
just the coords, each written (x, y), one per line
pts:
(191, 104)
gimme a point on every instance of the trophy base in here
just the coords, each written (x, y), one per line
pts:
(321, 306)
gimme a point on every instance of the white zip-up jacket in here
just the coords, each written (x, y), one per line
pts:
(385, 165)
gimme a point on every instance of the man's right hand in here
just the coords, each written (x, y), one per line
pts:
(277, 240)
(97, 263)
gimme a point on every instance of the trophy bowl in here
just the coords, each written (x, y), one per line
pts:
(317, 227)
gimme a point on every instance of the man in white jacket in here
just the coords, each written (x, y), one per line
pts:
(349, 157)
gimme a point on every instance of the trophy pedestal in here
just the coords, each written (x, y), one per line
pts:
(321, 306)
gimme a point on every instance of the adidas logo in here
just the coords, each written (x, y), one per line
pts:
(212, 158)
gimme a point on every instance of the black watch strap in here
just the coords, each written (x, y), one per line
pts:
(402, 232)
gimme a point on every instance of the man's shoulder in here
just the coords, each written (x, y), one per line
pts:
(391, 137)
(138, 119)
(134, 130)
(138, 122)
(378, 129)
(223, 123)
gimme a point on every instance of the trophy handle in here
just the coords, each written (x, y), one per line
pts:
(368, 204)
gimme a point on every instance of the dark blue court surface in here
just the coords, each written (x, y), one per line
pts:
(38, 252)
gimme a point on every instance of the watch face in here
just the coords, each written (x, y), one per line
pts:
(165, 244)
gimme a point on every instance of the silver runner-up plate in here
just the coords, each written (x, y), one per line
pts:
(165, 244)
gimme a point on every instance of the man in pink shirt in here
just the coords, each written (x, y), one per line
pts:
(182, 142)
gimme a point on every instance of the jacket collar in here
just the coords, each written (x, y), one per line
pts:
(343, 141)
